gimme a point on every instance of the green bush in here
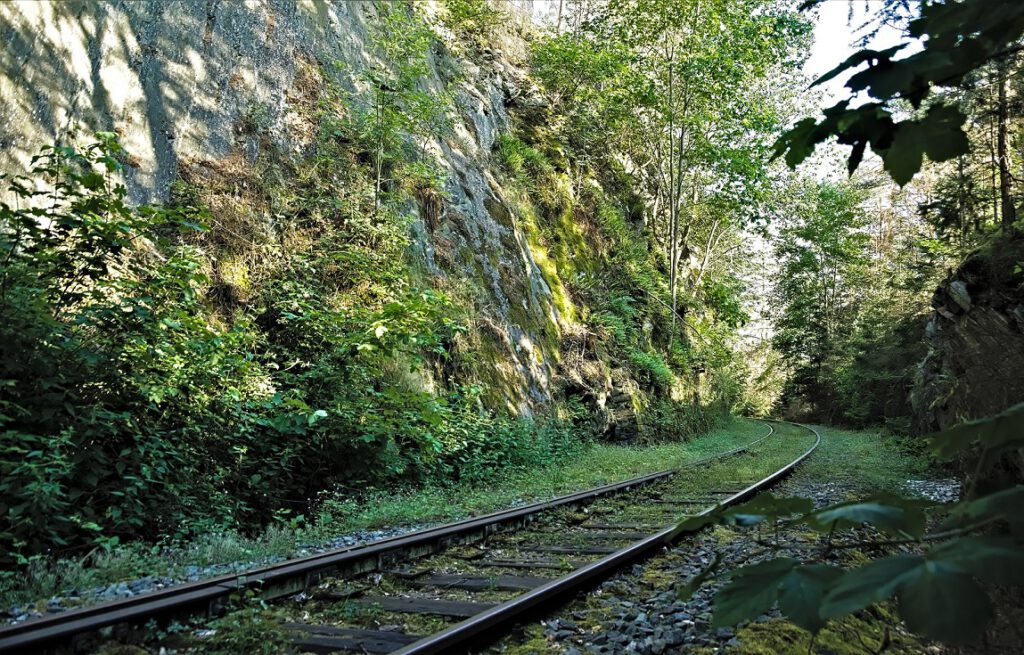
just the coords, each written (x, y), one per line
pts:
(132, 407)
(478, 446)
(103, 351)
(650, 368)
(520, 158)
(474, 18)
(670, 420)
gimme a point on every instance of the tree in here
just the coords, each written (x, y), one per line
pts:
(823, 265)
(694, 143)
(938, 577)
(957, 38)
(399, 107)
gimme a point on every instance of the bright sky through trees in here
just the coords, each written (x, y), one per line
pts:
(836, 29)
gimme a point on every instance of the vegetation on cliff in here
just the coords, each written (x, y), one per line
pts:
(474, 248)
(272, 331)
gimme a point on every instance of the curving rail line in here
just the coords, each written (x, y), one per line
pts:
(509, 612)
(287, 578)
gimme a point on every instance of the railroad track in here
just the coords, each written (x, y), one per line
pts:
(442, 589)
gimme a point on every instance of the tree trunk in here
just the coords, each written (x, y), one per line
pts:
(1006, 201)
(673, 201)
(993, 170)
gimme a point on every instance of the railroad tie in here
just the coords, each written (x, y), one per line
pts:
(329, 639)
(612, 536)
(571, 550)
(476, 583)
(532, 564)
(605, 536)
(407, 605)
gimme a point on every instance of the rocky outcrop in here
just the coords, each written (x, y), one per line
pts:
(204, 85)
(622, 408)
(975, 362)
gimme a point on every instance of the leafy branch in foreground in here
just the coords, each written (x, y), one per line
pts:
(938, 591)
(957, 38)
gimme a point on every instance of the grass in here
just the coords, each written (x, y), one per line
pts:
(337, 515)
(865, 460)
(600, 464)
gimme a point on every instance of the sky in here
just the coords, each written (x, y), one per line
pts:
(834, 35)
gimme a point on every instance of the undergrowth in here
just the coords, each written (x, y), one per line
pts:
(866, 460)
(340, 513)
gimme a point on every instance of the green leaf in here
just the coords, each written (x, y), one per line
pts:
(869, 584)
(993, 559)
(752, 512)
(693, 524)
(797, 143)
(942, 133)
(888, 513)
(942, 603)
(1004, 430)
(904, 157)
(856, 59)
(856, 156)
(766, 507)
(1003, 505)
(801, 593)
(693, 584)
(751, 591)
(316, 416)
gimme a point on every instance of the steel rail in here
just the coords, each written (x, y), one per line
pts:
(299, 574)
(472, 629)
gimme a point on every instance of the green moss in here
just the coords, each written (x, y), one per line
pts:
(548, 265)
(852, 635)
(659, 578)
(532, 642)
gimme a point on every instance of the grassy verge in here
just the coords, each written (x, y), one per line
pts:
(865, 460)
(600, 464)
(860, 462)
(337, 515)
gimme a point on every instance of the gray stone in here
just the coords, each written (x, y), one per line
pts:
(958, 292)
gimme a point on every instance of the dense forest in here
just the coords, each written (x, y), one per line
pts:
(454, 242)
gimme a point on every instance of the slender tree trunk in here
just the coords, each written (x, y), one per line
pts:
(706, 259)
(673, 201)
(993, 168)
(380, 154)
(1005, 199)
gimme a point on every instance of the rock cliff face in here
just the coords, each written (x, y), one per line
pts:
(179, 81)
(975, 363)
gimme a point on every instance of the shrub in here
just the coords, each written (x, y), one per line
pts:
(103, 350)
(129, 409)
(132, 407)
(652, 370)
(474, 18)
(521, 159)
(669, 420)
